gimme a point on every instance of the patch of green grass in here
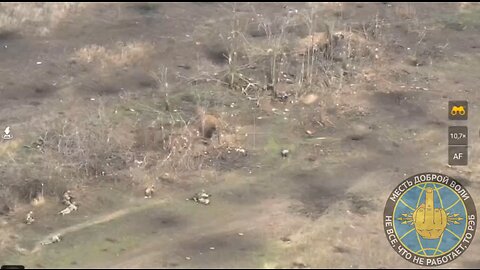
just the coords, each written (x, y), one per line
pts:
(145, 8)
(465, 20)
(463, 65)
(272, 151)
(471, 17)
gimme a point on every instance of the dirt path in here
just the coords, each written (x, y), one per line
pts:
(98, 220)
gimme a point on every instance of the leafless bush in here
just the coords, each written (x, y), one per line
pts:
(174, 137)
(28, 178)
(122, 55)
(8, 200)
(85, 145)
(328, 57)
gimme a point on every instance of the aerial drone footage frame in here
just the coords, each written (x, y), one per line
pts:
(239, 135)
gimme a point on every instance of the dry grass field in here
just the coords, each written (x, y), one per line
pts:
(106, 99)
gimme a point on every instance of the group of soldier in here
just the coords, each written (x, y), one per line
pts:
(71, 205)
(201, 197)
(67, 199)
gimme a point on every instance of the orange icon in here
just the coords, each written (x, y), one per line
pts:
(457, 110)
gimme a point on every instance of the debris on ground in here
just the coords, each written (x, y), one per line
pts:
(282, 96)
(29, 219)
(7, 135)
(285, 239)
(138, 162)
(309, 99)
(285, 153)
(54, 239)
(241, 150)
(201, 197)
(21, 250)
(166, 177)
(299, 265)
(312, 43)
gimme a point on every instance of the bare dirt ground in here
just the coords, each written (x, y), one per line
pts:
(108, 92)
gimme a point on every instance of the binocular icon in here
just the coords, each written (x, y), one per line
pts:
(457, 110)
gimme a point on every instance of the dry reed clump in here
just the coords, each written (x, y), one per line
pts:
(405, 11)
(109, 70)
(35, 18)
(122, 55)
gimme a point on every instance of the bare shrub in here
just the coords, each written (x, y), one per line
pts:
(84, 144)
(325, 58)
(174, 140)
(8, 200)
(29, 179)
